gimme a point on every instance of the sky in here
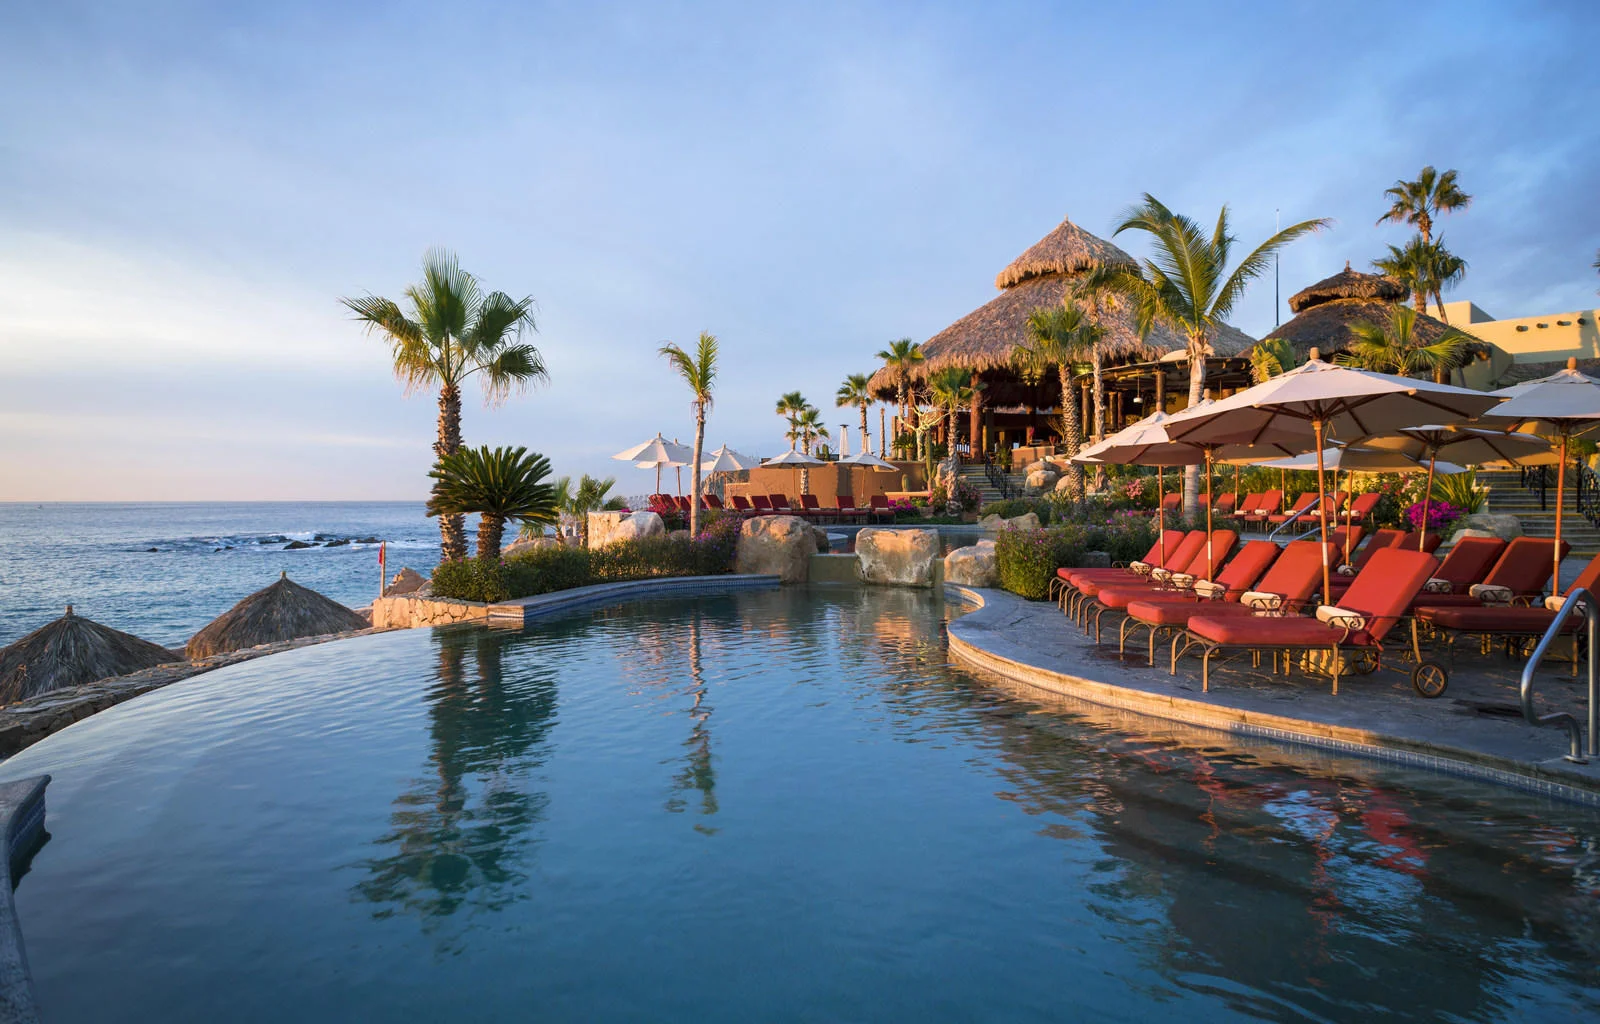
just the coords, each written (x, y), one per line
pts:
(187, 189)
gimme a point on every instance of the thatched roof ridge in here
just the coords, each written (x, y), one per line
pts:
(1067, 250)
(72, 651)
(283, 611)
(987, 338)
(1347, 284)
(1326, 325)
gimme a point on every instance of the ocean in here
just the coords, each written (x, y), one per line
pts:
(161, 571)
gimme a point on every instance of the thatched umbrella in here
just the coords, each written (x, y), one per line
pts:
(988, 337)
(1325, 312)
(71, 651)
(283, 611)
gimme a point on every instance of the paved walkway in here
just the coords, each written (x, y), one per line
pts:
(1476, 728)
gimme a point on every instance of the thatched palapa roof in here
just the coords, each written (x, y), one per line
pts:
(283, 611)
(987, 338)
(1326, 310)
(72, 651)
(1347, 284)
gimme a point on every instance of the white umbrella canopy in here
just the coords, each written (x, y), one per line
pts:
(1304, 407)
(870, 460)
(656, 453)
(726, 460)
(1564, 405)
(1360, 460)
(796, 460)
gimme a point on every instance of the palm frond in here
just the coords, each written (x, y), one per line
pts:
(1258, 263)
(507, 483)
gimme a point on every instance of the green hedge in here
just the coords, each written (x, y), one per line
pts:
(549, 569)
(1028, 559)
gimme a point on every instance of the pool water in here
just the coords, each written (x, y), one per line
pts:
(766, 805)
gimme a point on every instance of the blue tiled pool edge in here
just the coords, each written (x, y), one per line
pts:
(1459, 763)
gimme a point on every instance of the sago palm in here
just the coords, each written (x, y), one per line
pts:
(497, 484)
(699, 371)
(1056, 337)
(449, 331)
(856, 392)
(577, 500)
(1187, 285)
(1398, 347)
(1418, 202)
(902, 357)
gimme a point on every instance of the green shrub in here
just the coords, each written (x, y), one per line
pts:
(470, 579)
(1028, 559)
(546, 569)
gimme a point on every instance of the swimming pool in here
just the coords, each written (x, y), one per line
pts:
(765, 805)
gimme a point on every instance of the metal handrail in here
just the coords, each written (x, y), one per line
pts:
(1587, 494)
(999, 480)
(1536, 478)
(1309, 510)
(1579, 601)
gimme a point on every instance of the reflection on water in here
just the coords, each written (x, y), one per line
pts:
(769, 805)
(457, 834)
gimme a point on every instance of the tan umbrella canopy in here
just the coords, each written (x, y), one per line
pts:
(655, 453)
(71, 651)
(1306, 406)
(283, 611)
(798, 461)
(1463, 444)
(1564, 405)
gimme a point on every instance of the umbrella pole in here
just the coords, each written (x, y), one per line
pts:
(1422, 534)
(1555, 552)
(658, 478)
(1210, 569)
(1322, 514)
(1236, 487)
(1161, 512)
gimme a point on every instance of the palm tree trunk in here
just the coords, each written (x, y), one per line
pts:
(1197, 388)
(490, 530)
(866, 447)
(452, 529)
(1438, 303)
(1099, 416)
(699, 444)
(1074, 438)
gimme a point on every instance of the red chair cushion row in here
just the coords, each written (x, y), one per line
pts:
(1502, 619)
(1251, 630)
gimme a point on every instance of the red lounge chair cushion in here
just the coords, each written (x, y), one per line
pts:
(1252, 631)
(1174, 610)
(1479, 619)
(1469, 560)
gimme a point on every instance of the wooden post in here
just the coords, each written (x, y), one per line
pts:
(974, 416)
(1161, 388)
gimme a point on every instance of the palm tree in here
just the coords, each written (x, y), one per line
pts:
(1419, 202)
(1398, 347)
(453, 331)
(699, 371)
(1186, 284)
(951, 390)
(496, 483)
(807, 428)
(1056, 337)
(902, 358)
(1270, 357)
(1425, 269)
(575, 502)
(855, 391)
(789, 406)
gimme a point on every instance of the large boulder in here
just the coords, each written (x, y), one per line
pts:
(991, 523)
(607, 528)
(1041, 480)
(406, 581)
(779, 546)
(973, 566)
(1486, 524)
(523, 545)
(1026, 521)
(1065, 483)
(897, 557)
(824, 545)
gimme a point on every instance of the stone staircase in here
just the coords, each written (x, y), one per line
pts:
(1507, 496)
(974, 475)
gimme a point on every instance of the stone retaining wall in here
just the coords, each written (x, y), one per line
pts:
(409, 612)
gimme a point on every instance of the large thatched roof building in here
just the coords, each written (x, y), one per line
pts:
(72, 651)
(283, 611)
(986, 340)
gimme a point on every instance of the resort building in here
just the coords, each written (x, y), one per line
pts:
(1011, 407)
(1530, 346)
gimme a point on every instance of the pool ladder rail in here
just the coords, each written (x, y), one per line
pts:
(1579, 602)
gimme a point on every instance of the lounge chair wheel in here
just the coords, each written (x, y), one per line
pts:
(1430, 679)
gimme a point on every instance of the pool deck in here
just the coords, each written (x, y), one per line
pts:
(1475, 729)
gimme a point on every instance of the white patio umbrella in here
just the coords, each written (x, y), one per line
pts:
(726, 460)
(1563, 406)
(1303, 408)
(1467, 445)
(869, 461)
(655, 453)
(796, 460)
